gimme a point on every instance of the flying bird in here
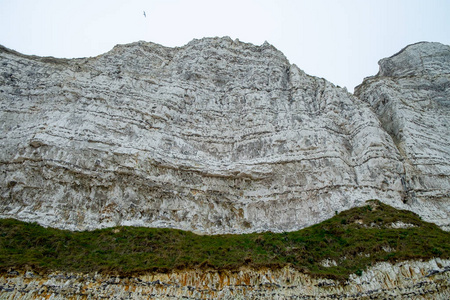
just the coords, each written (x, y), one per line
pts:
(145, 14)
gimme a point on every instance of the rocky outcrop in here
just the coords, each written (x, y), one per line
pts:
(406, 280)
(217, 136)
(411, 96)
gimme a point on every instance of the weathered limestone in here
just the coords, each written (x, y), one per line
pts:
(411, 96)
(215, 136)
(221, 136)
(406, 280)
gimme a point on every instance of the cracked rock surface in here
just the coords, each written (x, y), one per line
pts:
(217, 136)
(406, 280)
(411, 96)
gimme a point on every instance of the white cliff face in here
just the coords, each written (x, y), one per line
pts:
(411, 96)
(405, 280)
(217, 136)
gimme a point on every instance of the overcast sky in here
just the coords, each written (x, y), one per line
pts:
(339, 40)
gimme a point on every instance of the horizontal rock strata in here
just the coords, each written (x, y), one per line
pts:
(217, 136)
(411, 96)
(406, 280)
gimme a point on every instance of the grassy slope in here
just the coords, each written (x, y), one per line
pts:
(342, 238)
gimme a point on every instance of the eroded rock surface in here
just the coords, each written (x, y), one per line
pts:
(411, 96)
(217, 136)
(406, 280)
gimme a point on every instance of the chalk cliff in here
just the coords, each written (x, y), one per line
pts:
(411, 96)
(217, 136)
(405, 280)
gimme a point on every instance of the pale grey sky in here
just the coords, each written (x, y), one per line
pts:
(341, 41)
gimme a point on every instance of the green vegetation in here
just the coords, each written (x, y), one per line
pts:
(354, 239)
